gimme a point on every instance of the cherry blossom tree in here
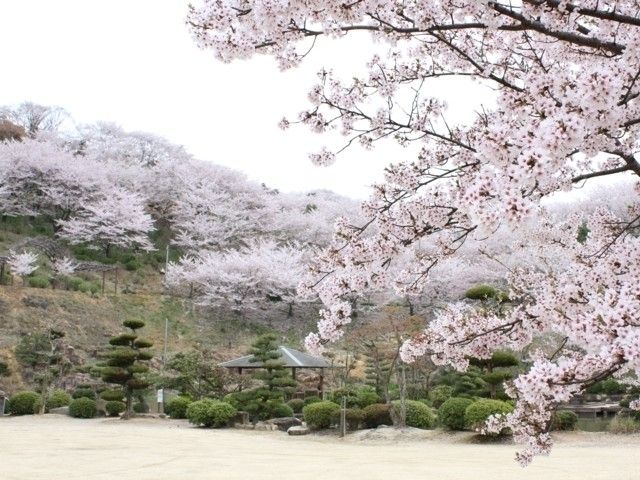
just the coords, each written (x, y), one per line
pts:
(115, 220)
(34, 118)
(565, 109)
(241, 279)
(22, 264)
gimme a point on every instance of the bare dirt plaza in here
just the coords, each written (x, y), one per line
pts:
(54, 447)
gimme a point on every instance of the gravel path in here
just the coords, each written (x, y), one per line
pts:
(52, 447)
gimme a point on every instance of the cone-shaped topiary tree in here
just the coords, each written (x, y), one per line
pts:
(125, 365)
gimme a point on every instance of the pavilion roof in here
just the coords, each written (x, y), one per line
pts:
(292, 358)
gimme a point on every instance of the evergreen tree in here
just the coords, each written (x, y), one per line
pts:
(125, 365)
(265, 401)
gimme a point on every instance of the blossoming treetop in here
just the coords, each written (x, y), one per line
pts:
(567, 77)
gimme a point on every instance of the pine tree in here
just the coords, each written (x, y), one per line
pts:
(125, 365)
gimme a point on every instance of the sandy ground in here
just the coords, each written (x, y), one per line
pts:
(54, 447)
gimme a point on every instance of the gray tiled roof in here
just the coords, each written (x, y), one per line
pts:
(290, 356)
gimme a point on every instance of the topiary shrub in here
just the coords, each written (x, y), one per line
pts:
(140, 407)
(451, 413)
(39, 281)
(84, 393)
(479, 411)
(112, 395)
(353, 416)
(83, 407)
(177, 407)
(485, 292)
(376, 415)
(418, 414)
(319, 415)
(367, 396)
(281, 410)
(210, 413)
(57, 399)
(564, 420)
(114, 408)
(311, 399)
(440, 394)
(24, 403)
(296, 404)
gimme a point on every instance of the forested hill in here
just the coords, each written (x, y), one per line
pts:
(98, 224)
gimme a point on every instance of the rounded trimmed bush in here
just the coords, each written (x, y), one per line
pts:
(112, 395)
(418, 414)
(210, 413)
(319, 415)
(177, 407)
(282, 410)
(114, 408)
(133, 324)
(451, 412)
(296, 404)
(24, 403)
(353, 416)
(440, 394)
(312, 399)
(479, 411)
(38, 281)
(83, 407)
(57, 399)
(84, 393)
(366, 397)
(377, 414)
(564, 420)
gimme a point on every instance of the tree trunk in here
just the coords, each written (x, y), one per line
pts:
(129, 400)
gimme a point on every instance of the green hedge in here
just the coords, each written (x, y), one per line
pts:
(84, 393)
(376, 415)
(319, 415)
(38, 281)
(24, 403)
(114, 408)
(440, 394)
(210, 413)
(564, 420)
(57, 399)
(451, 413)
(83, 407)
(353, 416)
(479, 411)
(418, 414)
(296, 404)
(177, 407)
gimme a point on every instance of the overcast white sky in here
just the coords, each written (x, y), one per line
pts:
(133, 62)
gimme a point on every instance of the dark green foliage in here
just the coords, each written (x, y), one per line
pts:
(84, 393)
(479, 411)
(124, 365)
(376, 415)
(112, 395)
(259, 403)
(418, 414)
(4, 369)
(564, 420)
(465, 384)
(451, 413)
(210, 413)
(57, 399)
(583, 233)
(33, 349)
(608, 386)
(140, 407)
(24, 403)
(83, 408)
(39, 281)
(440, 394)
(132, 265)
(143, 343)
(367, 396)
(282, 410)
(353, 417)
(197, 374)
(485, 292)
(499, 359)
(114, 408)
(133, 324)
(296, 404)
(123, 339)
(311, 399)
(349, 393)
(177, 407)
(319, 415)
